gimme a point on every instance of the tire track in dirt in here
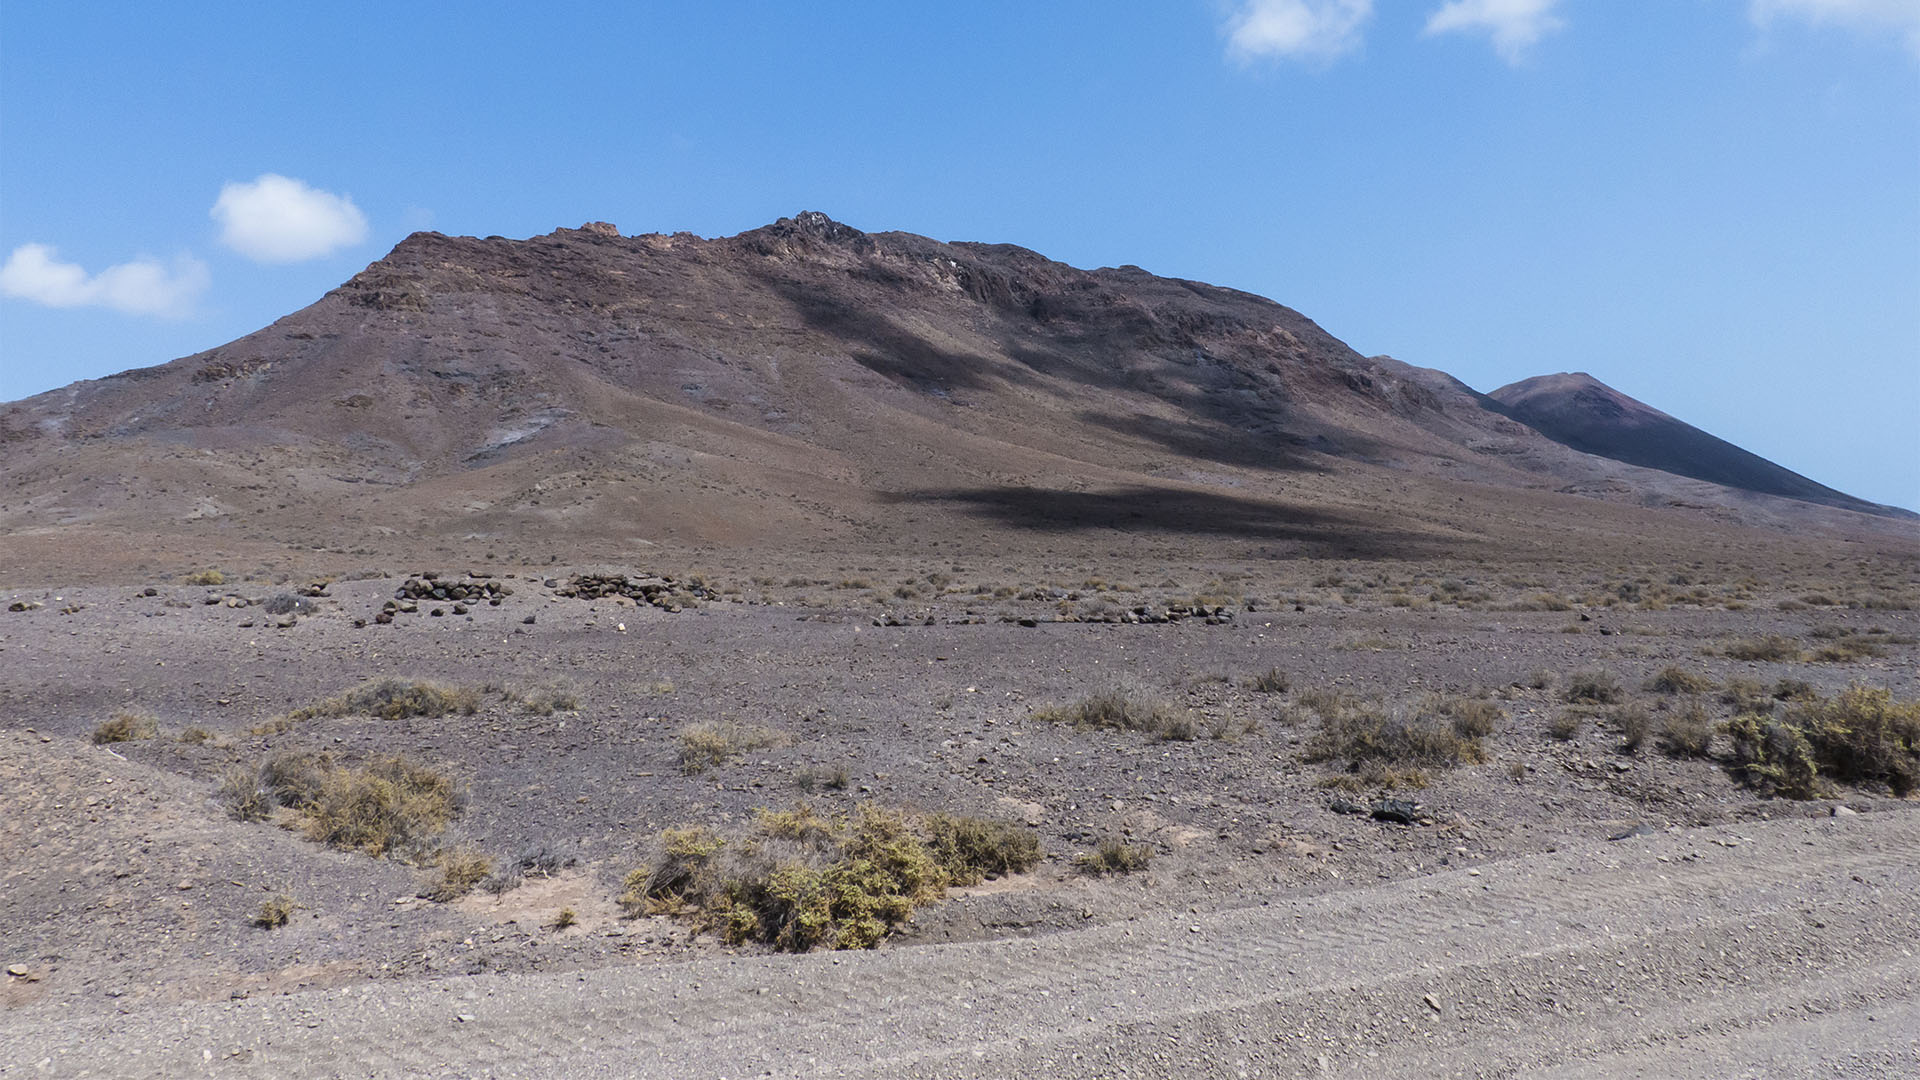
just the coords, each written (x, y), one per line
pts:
(1679, 916)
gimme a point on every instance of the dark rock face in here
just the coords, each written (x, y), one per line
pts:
(1582, 412)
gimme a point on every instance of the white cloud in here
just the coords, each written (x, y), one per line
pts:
(140, 287)
(276, 219)
(1514, 25)
(1898, 17)
(1296, 29)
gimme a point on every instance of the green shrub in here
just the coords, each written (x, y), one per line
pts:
(1863, 736)
(1774, 756)
(971, 848)
(1114, 857)
(1860, 736)
(796, 880)
(274, 912)
(126, 726)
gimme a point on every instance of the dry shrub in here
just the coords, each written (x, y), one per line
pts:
(195, 735)
(1678, 680)
(460, 870)
(547, 698)
(1592, 688)
(1472, 717)
(395, 699)
(1565, 727)
(274, 912)
(1125, 710)
(126, 726)
(1767, 647)
(1114, 857)
(1847, 649)
(1360, 732)
(1687, 731)
(1270, 681)
(711, 744)
(390, 805)
(1635, 725)
(796, 880)
(205, 577)
(1747, 696)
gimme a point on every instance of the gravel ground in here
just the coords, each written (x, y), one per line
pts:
(1725, 932)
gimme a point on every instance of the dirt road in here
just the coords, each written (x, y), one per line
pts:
(1770, 949)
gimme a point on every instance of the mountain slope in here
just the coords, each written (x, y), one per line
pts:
(800, 386)
(1582, 412)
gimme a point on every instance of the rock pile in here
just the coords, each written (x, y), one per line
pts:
(431, 586)
(662, 592)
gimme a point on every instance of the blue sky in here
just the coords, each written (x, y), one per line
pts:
(1713, 205)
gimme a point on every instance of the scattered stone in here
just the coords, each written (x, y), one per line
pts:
(1845, 811)
(25, 605)
(1341, 805)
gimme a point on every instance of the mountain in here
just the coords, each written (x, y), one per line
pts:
(806, 386)
(1580, 411)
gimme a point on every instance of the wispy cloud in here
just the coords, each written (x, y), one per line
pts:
(276, 219)
(140, 287)
(1296, 29)
(1514, 25)
(1898, 18)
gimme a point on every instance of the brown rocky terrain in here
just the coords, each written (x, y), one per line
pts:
(1354, 726)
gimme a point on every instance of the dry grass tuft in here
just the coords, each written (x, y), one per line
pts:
(711, 744)
(395, 699)
(1440, 733)
(126, 726)
(388, 806)
(1678, 680)
(1114, 857)
(1772, 648)
(1270, 681)
(1592, 688)
(461, 869)
(1125, 710)
(1687, 731)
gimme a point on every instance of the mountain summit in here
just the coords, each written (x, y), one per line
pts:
(1580, 411)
